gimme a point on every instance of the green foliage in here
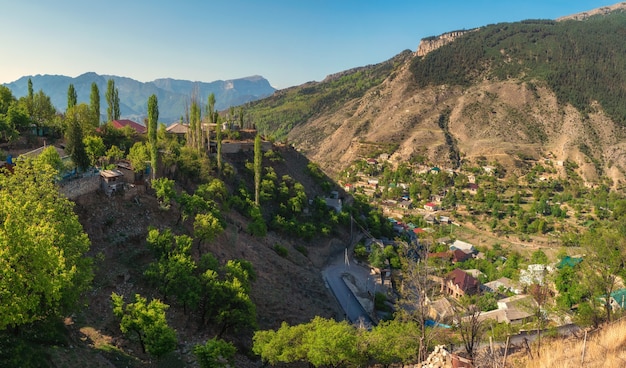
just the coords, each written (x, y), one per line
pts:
(281, 250)
(153, 119)
(579, 60)
(164, 190)
(278, 114)
(50, 156)
(113, 101)
(42, 248)
(94, 148)
(215, 353)
(148, 322)
(75, 145)
(139, 157)
(321, 342)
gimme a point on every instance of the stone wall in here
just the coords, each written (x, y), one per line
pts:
(74, 188)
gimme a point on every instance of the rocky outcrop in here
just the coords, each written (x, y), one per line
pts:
(432, 43)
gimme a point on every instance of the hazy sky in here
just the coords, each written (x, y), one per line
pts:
(289, 42)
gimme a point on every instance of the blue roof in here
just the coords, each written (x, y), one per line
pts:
(568, 261)
(620, 297)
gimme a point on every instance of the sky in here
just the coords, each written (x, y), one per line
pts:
(289, 42)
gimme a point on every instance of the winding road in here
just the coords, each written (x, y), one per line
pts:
(333, 275)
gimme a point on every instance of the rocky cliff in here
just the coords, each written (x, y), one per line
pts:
(432, 43)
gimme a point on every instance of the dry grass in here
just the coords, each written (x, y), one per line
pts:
(604, 348)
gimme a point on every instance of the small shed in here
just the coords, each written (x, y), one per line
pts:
(111, 181)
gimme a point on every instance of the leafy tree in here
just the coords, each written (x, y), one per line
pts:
(43, 268)
(42, 110)
(72, 97)
(216, 353)
(147, 321)
(94, 103)
(206, 227)
(393, 342)
(114, 153)
(539, 257)
(606, 257)
(6, 99)
(94, 148)
(113, 101)
(164, 189)
(139, 157)
(153, 117)
(50, 156)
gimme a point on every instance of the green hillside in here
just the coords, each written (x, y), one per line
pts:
(286, 109)
(581, 61)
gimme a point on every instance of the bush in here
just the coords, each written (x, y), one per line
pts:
(281, 250)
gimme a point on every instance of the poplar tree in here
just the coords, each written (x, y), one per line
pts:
(258, 157)
(113, 101)
(94, 103)
(71, 96)
(153, 117)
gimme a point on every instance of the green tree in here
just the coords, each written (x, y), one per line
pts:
(72, 97)
(218, 139)
(43, 268)
(393, 342)
(113, 101)
(95, 149)
(206, 227)
(75, 145)
(604, 263)
(216, 353)
(94, 104)
(148, 322)
(139, 157)
(258, 166)
(153, 117)
(50, 156)
(164, 188)
(114, 154)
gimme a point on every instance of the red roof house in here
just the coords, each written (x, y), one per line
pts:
(119, 124)
(458, 283)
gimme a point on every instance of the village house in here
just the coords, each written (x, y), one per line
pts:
(500, 285)
(120, 124)
(459, 283)
(430, 206)
(515, 310)
(463, 246)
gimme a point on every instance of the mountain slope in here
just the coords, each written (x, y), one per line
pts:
(511, 93)
(173, 95)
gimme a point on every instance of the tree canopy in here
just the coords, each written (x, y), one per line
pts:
(43, 268)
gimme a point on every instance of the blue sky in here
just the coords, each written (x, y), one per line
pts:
(289, 42)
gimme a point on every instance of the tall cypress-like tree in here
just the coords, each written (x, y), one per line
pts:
(30, 99)
(75, 145)
(218, 139)
(258, 164)
(94, 103)
(72, 98)
(153, 117)
(113, 101)
(212, 117)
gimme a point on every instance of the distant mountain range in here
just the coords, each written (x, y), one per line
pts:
(174, 95)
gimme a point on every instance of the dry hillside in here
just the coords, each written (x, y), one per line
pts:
(511, 122)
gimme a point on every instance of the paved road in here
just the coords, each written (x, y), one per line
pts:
(333, 273)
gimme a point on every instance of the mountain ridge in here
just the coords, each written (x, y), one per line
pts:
(173, 94)
(510, 93)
